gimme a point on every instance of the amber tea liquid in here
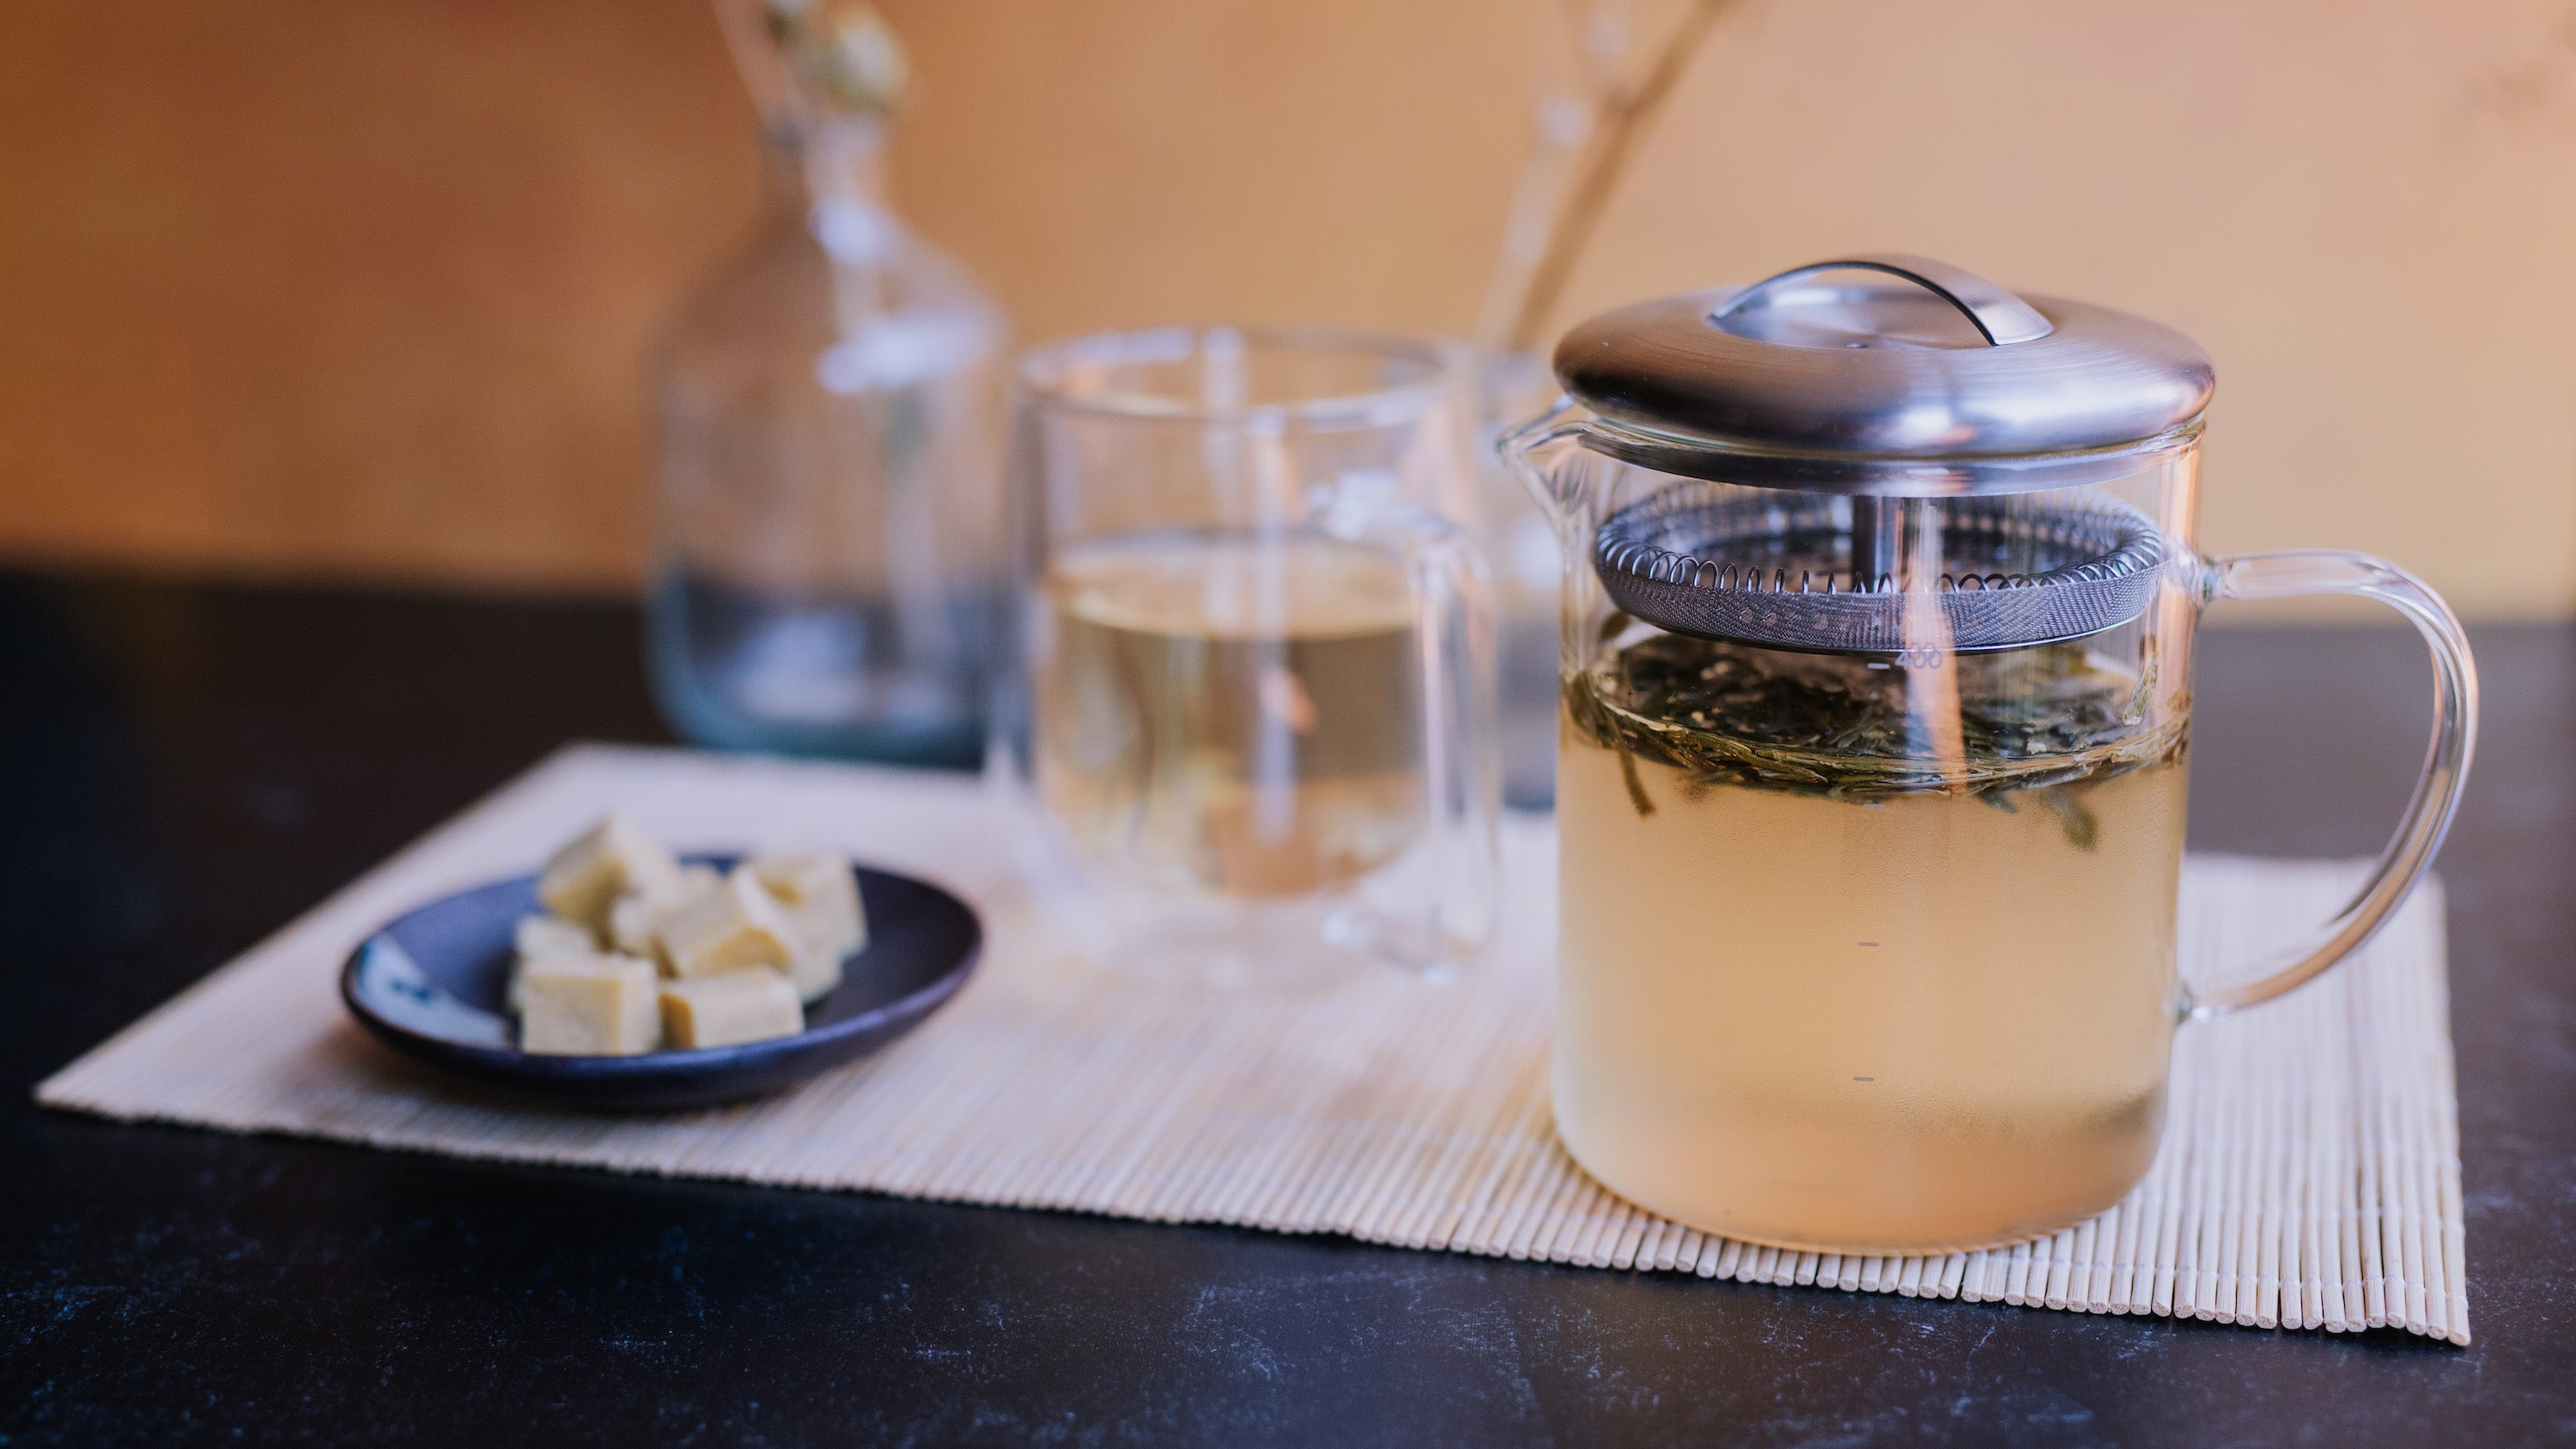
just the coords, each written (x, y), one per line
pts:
(1930, 1021)
(1232, 717)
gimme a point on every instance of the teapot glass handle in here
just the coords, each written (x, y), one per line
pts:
(2304, 572)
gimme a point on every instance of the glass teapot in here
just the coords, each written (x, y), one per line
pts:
(1880, 589)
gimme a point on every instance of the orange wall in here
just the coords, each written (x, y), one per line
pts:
(304, 287)
(348, 288)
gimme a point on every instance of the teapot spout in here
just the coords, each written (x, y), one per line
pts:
(1534, 452)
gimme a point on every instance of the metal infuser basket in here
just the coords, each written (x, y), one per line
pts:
(1824, 574)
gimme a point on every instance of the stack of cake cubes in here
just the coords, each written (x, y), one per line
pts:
(640, 953)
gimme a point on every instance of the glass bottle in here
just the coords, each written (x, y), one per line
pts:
(828, 408)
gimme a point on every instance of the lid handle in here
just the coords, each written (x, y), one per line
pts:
(1998, 315)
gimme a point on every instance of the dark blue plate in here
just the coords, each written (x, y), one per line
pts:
(431, 986)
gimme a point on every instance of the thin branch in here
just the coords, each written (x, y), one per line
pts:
(1595, 61)
(764, 70)
(1622, 126)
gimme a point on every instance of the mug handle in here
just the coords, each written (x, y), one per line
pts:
(2300, 573)
(1461, 750)
(1442, 918)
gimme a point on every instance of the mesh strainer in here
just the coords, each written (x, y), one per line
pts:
(1823, 574)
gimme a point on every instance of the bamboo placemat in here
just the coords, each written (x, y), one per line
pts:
(2309, 1178)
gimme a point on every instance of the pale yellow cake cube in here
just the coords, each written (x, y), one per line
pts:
(539, 937)
(817, 967)
(635, 919)
(610, 859)
(735, 927)
(726, 1010)
(589, 1006)
(822, 900)
(631, 922)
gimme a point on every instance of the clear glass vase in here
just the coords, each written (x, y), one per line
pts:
(827, 542)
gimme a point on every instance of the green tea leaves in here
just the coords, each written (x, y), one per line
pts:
(2039, 724)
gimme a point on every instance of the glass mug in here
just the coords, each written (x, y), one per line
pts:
(1871, 805)
(1255, 693)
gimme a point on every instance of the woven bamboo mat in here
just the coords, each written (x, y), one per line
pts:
(2309, 1178)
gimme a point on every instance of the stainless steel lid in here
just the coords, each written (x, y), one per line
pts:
(1927, 381)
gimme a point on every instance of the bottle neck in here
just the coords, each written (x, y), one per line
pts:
(827, 179)
(830, 176)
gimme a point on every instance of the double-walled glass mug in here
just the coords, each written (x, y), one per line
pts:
(1880, 590)
(1255, 699)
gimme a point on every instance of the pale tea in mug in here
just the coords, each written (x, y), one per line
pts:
(1231, 717)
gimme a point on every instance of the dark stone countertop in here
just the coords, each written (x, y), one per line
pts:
(188, 767)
